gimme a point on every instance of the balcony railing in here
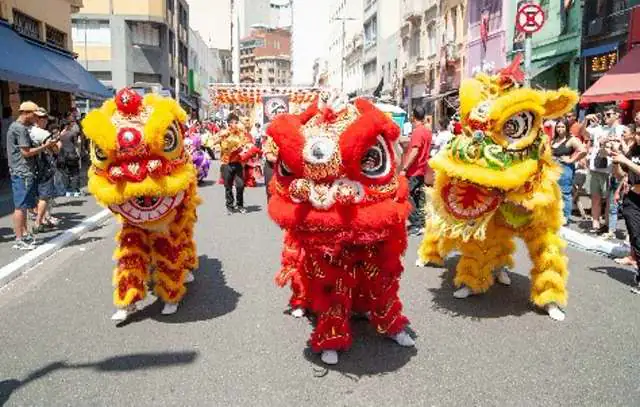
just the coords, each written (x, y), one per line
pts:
(412, 10)
(611, 24)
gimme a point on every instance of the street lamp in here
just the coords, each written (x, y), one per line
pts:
(344, 34)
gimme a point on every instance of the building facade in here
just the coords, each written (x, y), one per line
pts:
(123, 42)
(344, 62)
(265, 57)
(604, 42)
(281, 13)
(556, 47)
(37, 63)
(486, 40)
(250, 13)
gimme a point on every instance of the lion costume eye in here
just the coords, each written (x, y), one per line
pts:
(284, 170)
(99, 154)
(518, 125)
(171, 138)
(376, 162)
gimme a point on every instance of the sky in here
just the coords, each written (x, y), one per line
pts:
(212, 18)
(310, 32)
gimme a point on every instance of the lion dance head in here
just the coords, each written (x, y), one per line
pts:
(335, 180)
(139, 169)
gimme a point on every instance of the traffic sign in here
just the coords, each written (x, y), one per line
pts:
(530, 18)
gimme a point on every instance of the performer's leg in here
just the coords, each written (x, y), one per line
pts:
(239, 183)
(227, 175)
(549, 273)
(380, 282)
(170, 274)
(479, 259)
(131, 273)
(430, 251)
(330, 290)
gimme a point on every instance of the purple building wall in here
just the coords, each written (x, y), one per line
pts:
(494, 54)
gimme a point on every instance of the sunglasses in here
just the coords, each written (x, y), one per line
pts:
(609, 114)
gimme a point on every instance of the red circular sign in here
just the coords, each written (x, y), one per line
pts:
(530, 18)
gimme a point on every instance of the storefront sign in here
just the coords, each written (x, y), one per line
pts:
(273, 106)
(598, 65)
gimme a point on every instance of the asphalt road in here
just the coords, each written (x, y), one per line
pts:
(232, 344)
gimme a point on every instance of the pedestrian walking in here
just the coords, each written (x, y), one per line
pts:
(22, 153)
(567, 150)
(415, 167)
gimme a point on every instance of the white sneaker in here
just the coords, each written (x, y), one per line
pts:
(123, 313)
(189, 278)
(297, 312)
(555, 312)
(503, 277)
(330, 357)
(463, 292)
(420, 263)
(403, 338)
(22, 245)
(169, 309)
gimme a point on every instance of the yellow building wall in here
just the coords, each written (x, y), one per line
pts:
(95, 7)
(154, 8)
(56, 13)
(93, 53)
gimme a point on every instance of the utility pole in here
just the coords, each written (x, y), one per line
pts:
(176, 55)
(344, 39)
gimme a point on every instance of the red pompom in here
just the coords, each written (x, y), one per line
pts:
(457, 129)
(128, 101)
(624, 105)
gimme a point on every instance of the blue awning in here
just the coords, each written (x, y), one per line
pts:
(20, 63)
(602, 49)
(88, 86)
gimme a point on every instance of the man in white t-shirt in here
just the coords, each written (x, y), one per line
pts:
(600, 163)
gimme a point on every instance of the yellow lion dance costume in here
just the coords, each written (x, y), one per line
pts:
(497, 181)
(141, 172)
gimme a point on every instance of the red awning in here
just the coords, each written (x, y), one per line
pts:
(622, 82)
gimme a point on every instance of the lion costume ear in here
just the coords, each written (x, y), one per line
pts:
(558, 102)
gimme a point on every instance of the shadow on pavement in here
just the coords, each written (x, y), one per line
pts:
(206, 183)
(207, 297)
(253, 208)
(498, 302)
(6, 234)
(624, 275)
(371, 354)
(124, 363)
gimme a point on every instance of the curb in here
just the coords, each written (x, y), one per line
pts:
(25, 262)
(593, 244)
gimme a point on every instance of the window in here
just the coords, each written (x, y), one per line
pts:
(147, 77)
(431, 38)
(370, 68)
(26, 25)
(102, 75)
(371, 31)
(56, 37)
(94, 32)
(414, 44)
(452, 25)
(146, 34)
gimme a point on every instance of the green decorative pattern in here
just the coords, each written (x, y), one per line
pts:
(480, 149)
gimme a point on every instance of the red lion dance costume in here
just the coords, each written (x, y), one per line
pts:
(343, 209)
(140, 170)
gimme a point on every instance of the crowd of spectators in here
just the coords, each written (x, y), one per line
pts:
(44, 157)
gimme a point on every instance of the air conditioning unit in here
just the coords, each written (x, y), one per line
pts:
(595, 26)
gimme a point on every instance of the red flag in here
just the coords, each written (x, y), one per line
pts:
(484, 28)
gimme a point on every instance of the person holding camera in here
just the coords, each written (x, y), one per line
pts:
(628, 164)
(604, 138)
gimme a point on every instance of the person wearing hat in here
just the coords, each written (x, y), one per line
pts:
(22, 153)
(46, 170)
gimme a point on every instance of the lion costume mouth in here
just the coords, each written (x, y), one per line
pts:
(143, 209)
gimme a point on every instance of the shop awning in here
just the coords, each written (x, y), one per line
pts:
(622, 82)
(21, 63)
(88, 86)
(540, 67)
